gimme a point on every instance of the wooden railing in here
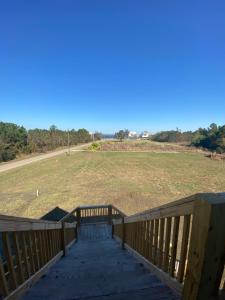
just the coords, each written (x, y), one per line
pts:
(94, 214)
(28, 247)
(182, 242)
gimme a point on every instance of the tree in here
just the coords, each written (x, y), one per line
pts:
(122, 134)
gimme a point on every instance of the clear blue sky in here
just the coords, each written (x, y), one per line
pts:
(111, 64)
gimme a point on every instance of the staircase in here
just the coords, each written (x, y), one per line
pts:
(97, 268)
(175, 251)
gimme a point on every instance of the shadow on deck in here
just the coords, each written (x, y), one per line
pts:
(97, 268)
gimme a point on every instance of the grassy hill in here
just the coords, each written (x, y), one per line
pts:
(132, 181)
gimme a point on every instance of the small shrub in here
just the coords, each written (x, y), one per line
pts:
(95, 147)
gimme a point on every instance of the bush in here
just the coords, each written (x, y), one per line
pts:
(95, 147)
(6, 153)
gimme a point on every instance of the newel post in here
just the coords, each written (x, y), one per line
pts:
(78, 216)
(110, 214)
(207, 250)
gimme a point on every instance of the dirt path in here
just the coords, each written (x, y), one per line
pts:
(26, 161)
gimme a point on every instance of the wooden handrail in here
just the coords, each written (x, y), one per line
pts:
(183, 242)
(27, 248)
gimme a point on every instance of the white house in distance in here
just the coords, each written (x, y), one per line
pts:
(132, 135)
(145, 135)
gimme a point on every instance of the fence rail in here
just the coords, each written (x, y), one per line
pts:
(183, 242)
(27, 248)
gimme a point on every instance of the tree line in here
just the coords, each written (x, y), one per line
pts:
(211, 138)
(16, 139)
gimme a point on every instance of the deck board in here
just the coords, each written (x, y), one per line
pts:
(97, 268)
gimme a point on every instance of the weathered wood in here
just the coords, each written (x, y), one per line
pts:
(207, 250)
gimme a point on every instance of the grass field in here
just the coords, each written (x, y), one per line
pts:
(132, 181)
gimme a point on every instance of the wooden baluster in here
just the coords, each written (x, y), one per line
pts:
(36, 250)
(18, 257)
(44, 247)
(123, 233)
(25, 254)
(30, 251)
(147, 240)
(184, 247)
(174, 245)
(167, 244)
(40, 247)
(9, 259)
(110, 214)
(161, 242)
(63, 238)
(151, 240)
(4, 291)
(156, 239)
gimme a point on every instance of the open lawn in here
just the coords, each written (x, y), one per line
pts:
(131, 181)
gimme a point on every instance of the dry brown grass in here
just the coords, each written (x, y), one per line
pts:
(131, 181)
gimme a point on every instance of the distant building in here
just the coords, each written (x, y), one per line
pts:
(132, 135)
(145, 135)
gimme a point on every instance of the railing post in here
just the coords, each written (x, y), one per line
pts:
(63, 238)
(110, 214)
(207, 250)
(78, 216)
(123, 233)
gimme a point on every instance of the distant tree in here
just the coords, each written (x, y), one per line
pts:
(122, 134)
(97, 136)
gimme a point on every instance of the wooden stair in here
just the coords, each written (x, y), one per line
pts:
(97, 268)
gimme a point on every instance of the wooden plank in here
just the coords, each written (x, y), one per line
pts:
(161, 242)
(184, 247)
(167, 244)
(18, 257)
(9, 259)
(206, 257)
(184, 209)
(40, 247)
(174, 245)
(63, 237)
(164, 277)
(4, 291)
(36, 250)
(25, 254)
(8, 225)
(44, 247)
(156, 236)
(151, 240)
(30, 252)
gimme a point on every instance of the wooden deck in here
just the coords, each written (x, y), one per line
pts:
(97, 268)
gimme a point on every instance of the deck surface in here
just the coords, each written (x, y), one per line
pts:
(97, 268)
